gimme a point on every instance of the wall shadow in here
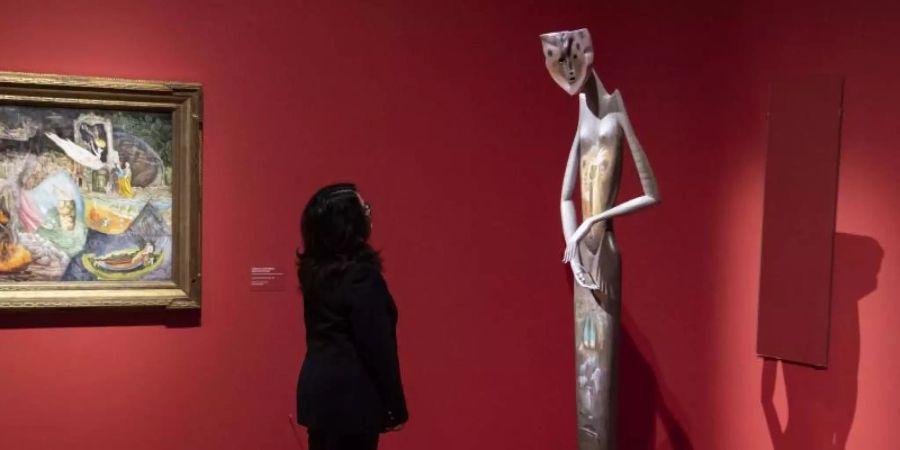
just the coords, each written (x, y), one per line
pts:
(61, 318)
(821, 403)
(642, 398)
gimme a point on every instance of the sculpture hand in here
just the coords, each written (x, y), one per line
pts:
(572, 243)
(571, 251)
(605, 287)
(582, 277)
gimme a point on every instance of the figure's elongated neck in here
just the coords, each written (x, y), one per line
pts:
(593, 90)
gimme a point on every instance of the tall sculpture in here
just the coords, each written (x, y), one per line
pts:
(591, 251)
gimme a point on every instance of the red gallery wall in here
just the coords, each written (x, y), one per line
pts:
(858, 395)
(444, 115)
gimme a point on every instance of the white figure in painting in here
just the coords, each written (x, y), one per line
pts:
(97, 136)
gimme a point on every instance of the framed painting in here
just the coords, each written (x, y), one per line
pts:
(99, 192)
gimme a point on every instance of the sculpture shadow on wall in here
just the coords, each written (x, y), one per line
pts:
(643, 398)
(821, 404)
(99, 318)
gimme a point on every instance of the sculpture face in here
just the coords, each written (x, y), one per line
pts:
(569, 56)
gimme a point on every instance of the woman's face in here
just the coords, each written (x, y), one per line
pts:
(365, 206)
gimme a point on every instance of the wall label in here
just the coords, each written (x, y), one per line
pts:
(267, 279)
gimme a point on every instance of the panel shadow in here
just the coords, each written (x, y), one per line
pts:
(821, 403)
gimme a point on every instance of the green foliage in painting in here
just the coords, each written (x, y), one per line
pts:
(155, 129)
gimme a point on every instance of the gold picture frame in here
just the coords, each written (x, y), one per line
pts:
(69, 124)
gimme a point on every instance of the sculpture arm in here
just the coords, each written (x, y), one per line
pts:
(567, 202)
(645, 172)
(570, 216)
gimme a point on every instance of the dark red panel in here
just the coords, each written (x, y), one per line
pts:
(798, 222)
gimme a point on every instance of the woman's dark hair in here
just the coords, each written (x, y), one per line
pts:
(335, 228)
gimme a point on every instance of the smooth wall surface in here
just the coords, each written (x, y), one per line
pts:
(445, 116)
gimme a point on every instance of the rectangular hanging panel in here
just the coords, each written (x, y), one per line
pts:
(799, 219)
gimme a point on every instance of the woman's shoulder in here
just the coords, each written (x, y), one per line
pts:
(363, 273)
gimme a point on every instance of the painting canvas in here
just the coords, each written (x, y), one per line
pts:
(99, 192)
(85, 195)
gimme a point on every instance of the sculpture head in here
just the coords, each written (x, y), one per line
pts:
(569, 56)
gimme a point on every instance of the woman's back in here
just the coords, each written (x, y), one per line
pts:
(336, 388)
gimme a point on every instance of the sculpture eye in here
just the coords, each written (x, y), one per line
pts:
(549, 52)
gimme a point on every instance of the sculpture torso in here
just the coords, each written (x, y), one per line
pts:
(600, 141)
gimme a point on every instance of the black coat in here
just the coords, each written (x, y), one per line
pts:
(350, 380)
